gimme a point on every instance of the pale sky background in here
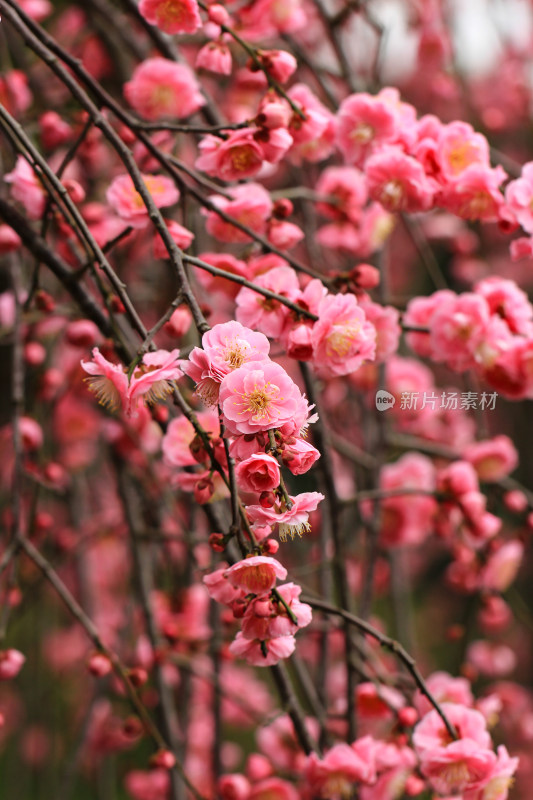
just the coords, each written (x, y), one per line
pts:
(480, 27)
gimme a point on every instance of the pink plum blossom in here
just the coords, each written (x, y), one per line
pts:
(259, 473)
(251, 206)
(172, 16)
(257, 574)
(149, 381)
(342, 338)
(262, 652)
(161, 88)
(123, 197)
(258, 396)
(290, 521)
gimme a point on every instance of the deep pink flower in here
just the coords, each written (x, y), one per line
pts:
(220, 588)
(123, 197)
(299, 455)
(259, 473)
(461, 766)
(348, 190)
(398, 181)
(11, 662)
(161, 88)
(172, 16)
(266, 618)
(258, 396)
(237, 157)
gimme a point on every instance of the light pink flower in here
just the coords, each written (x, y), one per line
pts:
(266, 18)
(313, 136)
(220, 588)
(348, 190)
(266, 618)
(458, 147)
(215, 57)
(333, 777)
(251, 205)
(445, 689)
(259, 473)
(342, 338)
(496, 786)
(258, 396)
(172, 16)
(150, 785)
(509, 302)
(257, 311)
(289, 521)
(161, 88)
(492, 659)
(226, 347)
(492, 459)
(150, 380)
(475, 193)
(502, 566)
(299, 455)
(27, 188)
(456, 328)
(180, 435)
(262, 652)
(181, 236)
(461, 766)
(430, 734)
(123, 197)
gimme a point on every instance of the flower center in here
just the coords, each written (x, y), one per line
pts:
(363, 133)
(235, 353)
(341, 340)
(104, 390)
(291, 529)
(392, 195)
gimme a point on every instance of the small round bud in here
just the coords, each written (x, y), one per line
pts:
(99, 665)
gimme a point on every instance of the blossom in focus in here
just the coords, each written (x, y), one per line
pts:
(149, 381)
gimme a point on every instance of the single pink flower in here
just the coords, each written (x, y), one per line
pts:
(27, 188)
(11, 662)
(334, 776)
(237, 157)
(474, 193)
(257, 311)
(363, 123)
(258, 396)
(289, 521)
(150, 380)
(215, 57)
(123, 197)
(220, 588)
(262, 652)
(398, 181)
(342, 338)
(257, 574)
(299, 455)
(180, 435)
(458, 147)
(225, 348)
(161, 88)
(172, 16)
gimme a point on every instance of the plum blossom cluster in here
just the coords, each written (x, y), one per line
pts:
(264, 416)
(343, 337)
(488, 330)
(269, 620)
